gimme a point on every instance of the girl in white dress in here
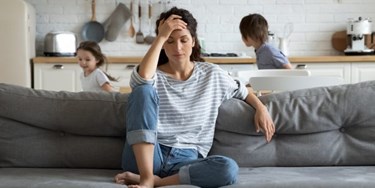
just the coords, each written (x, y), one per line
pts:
(90, 58)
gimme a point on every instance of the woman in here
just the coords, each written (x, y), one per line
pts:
(173, 108)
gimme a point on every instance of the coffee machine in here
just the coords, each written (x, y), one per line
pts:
(358, 36)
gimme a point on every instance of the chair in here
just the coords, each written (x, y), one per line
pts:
(246, 75)
(288, 83)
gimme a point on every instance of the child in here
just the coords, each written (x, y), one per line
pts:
(254, 31)
(90, 58)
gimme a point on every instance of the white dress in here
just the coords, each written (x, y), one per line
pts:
(94, 81)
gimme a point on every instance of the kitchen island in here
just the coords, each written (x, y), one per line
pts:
(62, 73)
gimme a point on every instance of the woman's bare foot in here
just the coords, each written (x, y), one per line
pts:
(144, 182)
(132, 180)
(138, 186)
(127, 178)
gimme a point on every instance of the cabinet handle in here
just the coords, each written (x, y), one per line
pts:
(129, 66)
(58, 66)
(301, 66)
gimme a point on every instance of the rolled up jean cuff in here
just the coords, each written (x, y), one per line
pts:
(184, 175)
(141, 136)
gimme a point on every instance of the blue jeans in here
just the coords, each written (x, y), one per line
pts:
(141, 122)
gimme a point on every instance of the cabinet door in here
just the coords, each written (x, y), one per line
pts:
(341, 70)
(57, 77)
(239, 71)
(363, 72)
(122, 72)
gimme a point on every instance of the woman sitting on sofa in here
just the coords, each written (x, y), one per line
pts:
(173, 108)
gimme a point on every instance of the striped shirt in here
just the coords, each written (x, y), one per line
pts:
(188, 109)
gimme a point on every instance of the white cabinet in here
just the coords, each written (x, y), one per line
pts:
(233, 69)
(57, 77)
(122, 73)
(363, 72)
(239, 71)
(342, 70)
(65, 76)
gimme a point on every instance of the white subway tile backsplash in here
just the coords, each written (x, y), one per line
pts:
(236, 2)
(289, 2)
(66, 19)
(320, 1)
(45, 9)
(318, 36)
(319, 18)
(296, 18)
(278, 9)
(205, 2)
(220, 28)
(260, 2)
(314, 21)
(244, 10)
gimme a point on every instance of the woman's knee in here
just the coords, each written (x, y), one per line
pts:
(228, 169)
(145, 92)
(142, 113)
(143, 98)
(213, 171)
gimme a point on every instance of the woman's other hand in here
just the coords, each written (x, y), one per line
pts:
(264, 123)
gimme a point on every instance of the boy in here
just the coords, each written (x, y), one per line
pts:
(254, 31)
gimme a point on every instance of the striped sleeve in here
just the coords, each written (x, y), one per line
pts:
(136, 79)
(238, 90)
(235, 88)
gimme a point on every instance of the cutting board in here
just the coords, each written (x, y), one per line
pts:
(339, 41)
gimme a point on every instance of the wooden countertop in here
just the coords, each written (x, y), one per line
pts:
(135, 60)
(222, 60)
(331, 59)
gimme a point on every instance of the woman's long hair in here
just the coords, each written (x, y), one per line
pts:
(188, 18)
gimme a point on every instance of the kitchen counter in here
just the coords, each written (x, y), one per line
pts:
(332, 59)
(62, 73)
(222, 60)
(133, 60)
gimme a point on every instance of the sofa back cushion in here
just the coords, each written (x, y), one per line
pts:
(314, 127)
(61, 129)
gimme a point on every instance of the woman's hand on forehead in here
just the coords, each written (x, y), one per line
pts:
(173, 22)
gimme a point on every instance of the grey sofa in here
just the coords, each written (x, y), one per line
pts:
(325, 138)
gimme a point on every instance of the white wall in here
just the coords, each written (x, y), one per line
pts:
(314, 21)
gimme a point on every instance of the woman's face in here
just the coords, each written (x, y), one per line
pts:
(86, 61)
(179, 46)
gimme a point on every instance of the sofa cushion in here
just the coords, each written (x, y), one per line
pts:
(58, 178)
(61, 129)
(81, 113)
(314, 127)
(23, 145)
(306, 177)
(259, 177)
